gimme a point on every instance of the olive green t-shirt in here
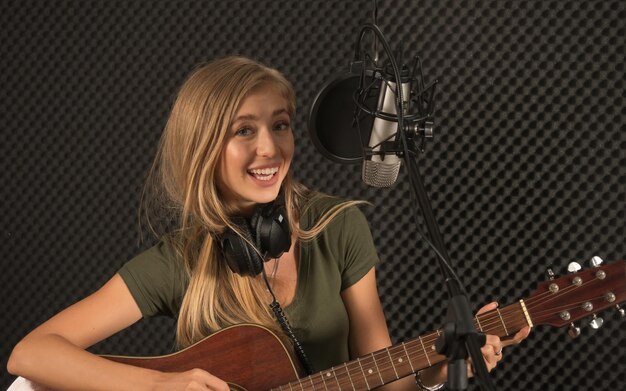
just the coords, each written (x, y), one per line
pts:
(339, 257)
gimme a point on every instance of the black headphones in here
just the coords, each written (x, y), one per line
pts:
(267, 229)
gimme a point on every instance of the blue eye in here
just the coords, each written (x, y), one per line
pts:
(243, 131)
(282, 126)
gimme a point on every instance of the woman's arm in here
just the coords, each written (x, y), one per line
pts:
(368, 327)
(368, 333)
(54, 353)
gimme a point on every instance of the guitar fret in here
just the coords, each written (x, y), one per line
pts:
(324, 380)
(502, 320)
(392, 364)
(425, 352)
(349, 377)
(480, 327)
(378, 370)
(336, 379)
(363, 372)
(311, 380)
(372, 371)
(402, 366)
(409, 357)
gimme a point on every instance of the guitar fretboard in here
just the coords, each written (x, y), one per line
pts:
(395, 362)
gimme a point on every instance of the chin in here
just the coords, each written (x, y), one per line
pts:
(266, 197)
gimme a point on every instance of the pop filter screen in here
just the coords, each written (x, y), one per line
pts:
(331, 121)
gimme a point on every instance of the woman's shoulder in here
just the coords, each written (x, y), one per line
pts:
(160, 262)
(156, 278)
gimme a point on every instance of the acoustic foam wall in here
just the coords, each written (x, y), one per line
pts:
(527, 167)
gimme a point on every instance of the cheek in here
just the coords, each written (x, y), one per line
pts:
(227, 167)
(234, 159)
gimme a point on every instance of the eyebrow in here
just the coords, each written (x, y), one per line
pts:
(252, 117)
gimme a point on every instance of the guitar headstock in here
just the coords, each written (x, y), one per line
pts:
(561, 301)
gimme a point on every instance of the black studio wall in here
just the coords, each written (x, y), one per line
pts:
(527, 168)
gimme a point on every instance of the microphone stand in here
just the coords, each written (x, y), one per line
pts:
(459, 335)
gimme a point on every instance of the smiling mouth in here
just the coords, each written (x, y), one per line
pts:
(264, 174)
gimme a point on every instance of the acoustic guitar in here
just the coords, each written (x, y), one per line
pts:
(252, 358)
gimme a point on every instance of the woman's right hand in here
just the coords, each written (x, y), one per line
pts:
(193, 380)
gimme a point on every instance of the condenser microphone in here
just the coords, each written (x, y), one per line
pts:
(381, 167)
(358, 118)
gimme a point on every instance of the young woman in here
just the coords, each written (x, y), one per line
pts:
(225, 152)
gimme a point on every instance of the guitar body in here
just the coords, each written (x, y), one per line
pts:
(248, 357)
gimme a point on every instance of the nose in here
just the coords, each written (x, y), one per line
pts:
(266, 143)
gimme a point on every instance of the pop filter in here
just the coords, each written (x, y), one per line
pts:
(332, 123)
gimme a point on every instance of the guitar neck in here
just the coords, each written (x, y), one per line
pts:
(395, 362)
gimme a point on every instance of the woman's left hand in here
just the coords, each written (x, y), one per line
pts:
(492, 350)
(492, 353)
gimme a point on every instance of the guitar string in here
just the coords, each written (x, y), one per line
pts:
(488, 321)
(541, 299)
(554, 296)
(508, 316)
(507, 312)
(510, 312)
(344, 378)
(394, 352)
(386, 369)
(569, 287)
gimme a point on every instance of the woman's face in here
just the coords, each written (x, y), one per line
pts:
(258, 150)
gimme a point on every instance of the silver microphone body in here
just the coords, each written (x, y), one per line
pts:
(381, 170)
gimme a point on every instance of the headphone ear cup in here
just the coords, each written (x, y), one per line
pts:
(272, 230)
(240, 256)
(255, 222)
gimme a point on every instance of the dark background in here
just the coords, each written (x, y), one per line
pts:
(527, 168)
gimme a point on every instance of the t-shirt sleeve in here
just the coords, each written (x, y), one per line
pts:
(155, 280)
(357, 247)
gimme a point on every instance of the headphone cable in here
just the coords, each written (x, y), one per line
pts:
(284, 324)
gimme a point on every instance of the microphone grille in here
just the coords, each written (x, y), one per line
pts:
(380, 174)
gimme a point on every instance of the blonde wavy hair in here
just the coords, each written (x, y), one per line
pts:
(182, 188)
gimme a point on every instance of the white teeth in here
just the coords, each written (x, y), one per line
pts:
(264, 178)
(265, 171)
(264, 174)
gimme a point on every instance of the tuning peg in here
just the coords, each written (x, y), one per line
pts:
(573, 267)
(620, 310)
(573, 330)
(596, 322)
(550, 273)
(596, 261)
